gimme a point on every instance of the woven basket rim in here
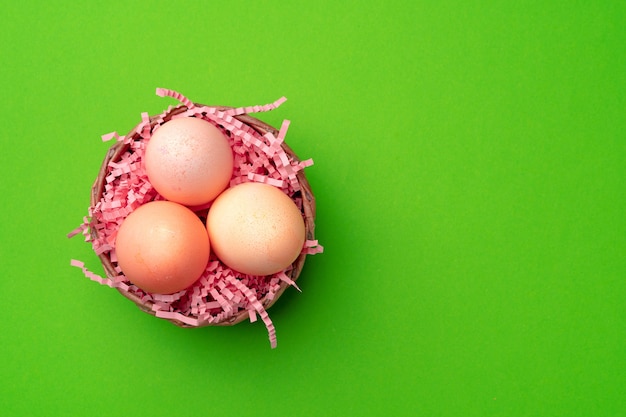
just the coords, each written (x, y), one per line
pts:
(308, 204)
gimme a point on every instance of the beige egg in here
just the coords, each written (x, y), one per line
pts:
(255, 229)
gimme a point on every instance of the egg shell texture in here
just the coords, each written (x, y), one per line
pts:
(255, 229)
(189, 161)
(162, 247)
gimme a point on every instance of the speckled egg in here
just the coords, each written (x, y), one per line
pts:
(255, 229)
(189, 161)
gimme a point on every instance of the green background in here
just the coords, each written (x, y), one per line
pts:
(470, 180)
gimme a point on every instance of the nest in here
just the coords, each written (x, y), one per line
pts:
(231, 288)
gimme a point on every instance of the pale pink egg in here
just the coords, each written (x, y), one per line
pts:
(162, 247)
(255, 229)
(189, 161)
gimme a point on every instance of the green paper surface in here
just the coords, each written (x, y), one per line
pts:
(470, 182)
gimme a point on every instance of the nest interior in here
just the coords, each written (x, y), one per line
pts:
(221, 296)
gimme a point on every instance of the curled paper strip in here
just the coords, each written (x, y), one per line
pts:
(164, 92)
(255, 109)
(221, 295)
(112, 135)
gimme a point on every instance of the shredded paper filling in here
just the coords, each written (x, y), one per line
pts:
(220, 293)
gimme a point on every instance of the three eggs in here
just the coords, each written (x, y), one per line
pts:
(164, 247)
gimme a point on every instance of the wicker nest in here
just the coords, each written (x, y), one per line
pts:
(303, 195)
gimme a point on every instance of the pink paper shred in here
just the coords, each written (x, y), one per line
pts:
(220, 293)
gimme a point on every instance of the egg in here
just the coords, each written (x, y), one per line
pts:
(255, 229)
(188, 161)
(162, 247)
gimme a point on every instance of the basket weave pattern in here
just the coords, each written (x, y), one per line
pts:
(257, 302)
